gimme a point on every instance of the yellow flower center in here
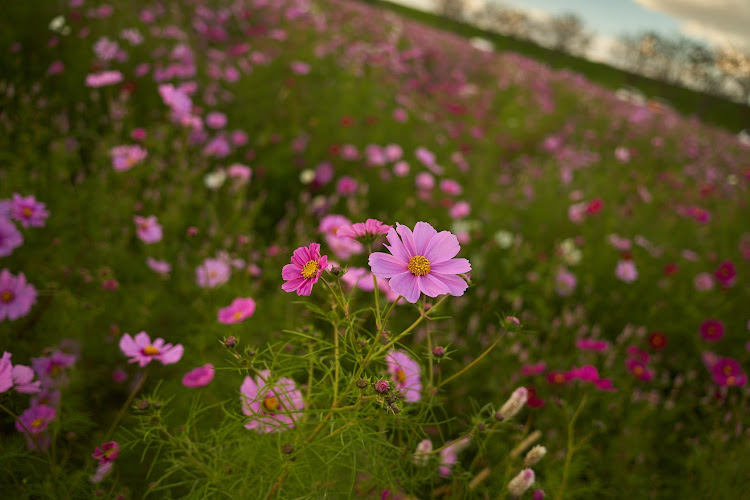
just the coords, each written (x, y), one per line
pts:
(727, 370)
(559, 378)
(37, 423)
(271, 404)
(730, 380)
(419, 265)
(400, 375)
(238, 315)
(638, 370)
(6, 296)
(310, 269)
(26, 211)
(150, 350)
(110, 452)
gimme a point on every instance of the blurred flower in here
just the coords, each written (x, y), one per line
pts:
(158, 266)
(592, 345)
(212, 273)
(712, 330)
(565, 283)
(304, 270)
(626, 271)
(364, 232)
(657, 340)
(52, 369)
(148, 229)
(16, 296)
(449, 455)
(142, 351)
(10, 237)
(727, 372)
(342, 245)
(34, 421)
(422, 453)
(639, 369)
(725, 273)
(703, 282)
(513, 405)
(199, 377)
(107, 453)
(421, 262)
(504, 239)
(126, 157)
(103, 79)
(273, 407)
(239, 310)
(522, 482)
(28, 211)
(406, 375)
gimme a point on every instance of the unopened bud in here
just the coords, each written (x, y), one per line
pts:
(522, 482)
(143, 405)
(362, 383)
(336, 272)
(534, 455)
(537, 495)
(230, 342)
(382, 386)
(438, 351)
(514, 404)
(287, 449)
(512, 320)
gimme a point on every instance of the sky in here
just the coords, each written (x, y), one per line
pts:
(715, 22)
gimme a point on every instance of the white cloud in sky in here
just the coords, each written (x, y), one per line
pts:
(720, 22)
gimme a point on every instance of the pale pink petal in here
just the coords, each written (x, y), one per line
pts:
(408, 239)
(453, 266)
(405, 285)
(423, 233)
(431, 286)
(386, 266)
(442, 247)
(455, 284)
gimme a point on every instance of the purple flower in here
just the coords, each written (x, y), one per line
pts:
(127, 157)
(103, 79)
(421, 262)
(273, 407)
(35, 419)
(304, 270)
(23, 378)
(406, 374)
(107, 453)
(199, 377)
(565, 283)
(148, 228)
(28, 211)
(16, 296)
(6, 372)
(212, 273)
(727, 372)
(10, 237)
(141, 350)
(51, 369)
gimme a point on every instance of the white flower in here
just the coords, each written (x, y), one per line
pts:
(215, 179)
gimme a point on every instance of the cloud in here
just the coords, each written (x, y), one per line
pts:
(720, 22)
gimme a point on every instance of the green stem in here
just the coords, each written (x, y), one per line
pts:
(124, 408)
(470, 365)
(571, 448)
(335, 361)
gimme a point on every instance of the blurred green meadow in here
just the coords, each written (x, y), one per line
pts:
(613, 230)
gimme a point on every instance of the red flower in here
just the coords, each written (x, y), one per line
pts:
(657, 340)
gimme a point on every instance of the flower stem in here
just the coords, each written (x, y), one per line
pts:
(571, 448)
(124, 407)
(467, 367)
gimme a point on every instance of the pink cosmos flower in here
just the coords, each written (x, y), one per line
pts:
(239, 310)
(28, 211)
(364, 232)
(273, 407)
(565, 283)
(141, 350)
(126, 157)
(107, 453)
(199, 377)
(343, 247)
(703, 282)
(212, 273)
(158, 266)
(216, 120)
(148, 229)
(425, 181)
(6, 372)
(535, 369)
(346, 186)
(177, 100)
(300, 68)
(639, 369)
(592, 345)
(19, 376)
(104, 78)
(421, 262)
(626, 271)
(304, 270)
(406, 374)
(241, 173)
(16, 296)
(727, 372)
(36, 419)
(52, 369)
(10, 237)
(587, 373)
(605, 384)
(401, 169)
(449, 455)
(725, 273)
(450, 187)
(460, 210)
(712, 330)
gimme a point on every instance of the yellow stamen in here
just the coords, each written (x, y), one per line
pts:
(6, 296)
(238, 315)
(26, 211)
(37, 423)
(310, 269)
(727, 370)
(271, 404)
(730, 380)
(419, 265)
(150, 350)
(638, 370)
(400, 375)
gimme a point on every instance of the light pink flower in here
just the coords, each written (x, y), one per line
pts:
(212, 273)
(239, 310)
(104, 78)
(421, 262)
(158, 266)
(16, 296)
(142, 351)
(343, 247)
(148, 229)
(199, 377)
(626, 271)
(273, 407)
(27, 210)
(10, 237)
(406, 375)
(127, 157)
(364, 232)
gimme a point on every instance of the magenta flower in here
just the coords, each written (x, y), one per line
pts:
(406, 374)
(212, 273)
(727, 372)
(51, 369)
(364, 232)
(421, 262)
(587, 373)
(6, 372)
(343, 247)
(28, 211)
(725, 273)
(712, 330)
(127, 157)
(273, 407)
(534, 369)
(35, 419)
(16, 296)
(565, 283)
(10, 237)
(141, 350)
(107, 453)
(639, 369)
(148, 228)
(199, 377)
(159, 266)
(592, 345)
(304, 270)
(103, 78)
(20, 376)
(449, 455)
(239, 310)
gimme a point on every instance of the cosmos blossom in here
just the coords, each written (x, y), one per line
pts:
(364, 232)
(272, 406)
(421, 262)
(239, 310)
(727, 372)
(141, 350)
(406, 374)
(199, 377)
(148, 229)
(212, 273)
(28, 211)
(16, 296)
(107, 453)
(304, 270)
(127, 156)
(10, 237)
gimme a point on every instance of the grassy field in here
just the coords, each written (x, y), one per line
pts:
(161, 160)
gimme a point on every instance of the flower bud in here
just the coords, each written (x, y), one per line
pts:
(382, 386)
(514, 404)
(230, 342)
(534, 455)
(362, 383)
(287, 449)
(522, 482)
(336, 272)
(537, 495)
(438, 351)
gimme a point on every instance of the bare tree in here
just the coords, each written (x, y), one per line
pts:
(735, 65)
(569, 34)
